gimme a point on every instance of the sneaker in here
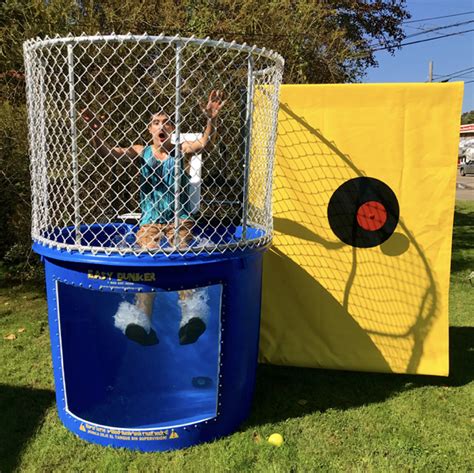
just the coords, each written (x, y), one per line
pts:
(135, 324)
(191, 331)
(138, 334)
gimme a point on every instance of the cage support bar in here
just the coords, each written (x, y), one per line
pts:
(30, 80)
(248, 144)
(42, 149)
(177, 146)
(271, 152)
(72, 117)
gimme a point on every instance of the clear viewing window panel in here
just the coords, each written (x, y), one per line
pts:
(140, 361)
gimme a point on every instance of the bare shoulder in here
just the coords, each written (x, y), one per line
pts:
(138, 149)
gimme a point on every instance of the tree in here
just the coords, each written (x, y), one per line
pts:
(467, 118)
(322, 41)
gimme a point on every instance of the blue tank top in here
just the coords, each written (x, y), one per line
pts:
(157, 192)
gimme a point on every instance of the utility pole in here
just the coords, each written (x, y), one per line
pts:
(430, 71)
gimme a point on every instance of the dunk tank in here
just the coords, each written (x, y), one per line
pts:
(154, 341)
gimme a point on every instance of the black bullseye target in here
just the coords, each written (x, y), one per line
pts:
(363, 212)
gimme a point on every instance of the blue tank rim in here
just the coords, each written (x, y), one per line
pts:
(144, 260)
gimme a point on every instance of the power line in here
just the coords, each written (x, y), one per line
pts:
(419, 28)
(439, 28)
(431, 30)
(458, 72)
(467, 75)
(455, 78)
(455, 73)
(461, 74)
(438, 17)
(462, 77)
(420, 41)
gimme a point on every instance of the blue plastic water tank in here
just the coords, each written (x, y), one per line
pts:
(115, 391)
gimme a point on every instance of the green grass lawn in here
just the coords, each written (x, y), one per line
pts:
(349, 422)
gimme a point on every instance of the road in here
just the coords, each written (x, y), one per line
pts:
(465, 187)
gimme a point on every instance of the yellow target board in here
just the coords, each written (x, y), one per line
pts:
(363, 202)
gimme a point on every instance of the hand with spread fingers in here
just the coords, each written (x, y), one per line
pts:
(214, 104)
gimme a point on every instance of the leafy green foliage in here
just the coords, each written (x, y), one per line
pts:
(467, 118)
(14, 183)
(321, 41)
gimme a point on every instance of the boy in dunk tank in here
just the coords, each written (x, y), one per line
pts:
(157, 224)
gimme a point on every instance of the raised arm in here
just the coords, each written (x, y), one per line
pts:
(211, 110)
(95, 125)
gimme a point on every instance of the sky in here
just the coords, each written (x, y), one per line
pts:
(451, 54)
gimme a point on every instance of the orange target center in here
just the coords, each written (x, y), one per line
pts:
(371, 216)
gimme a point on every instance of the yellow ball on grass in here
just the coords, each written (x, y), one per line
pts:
(276, 440)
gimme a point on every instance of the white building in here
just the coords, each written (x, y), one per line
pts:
(466, 143)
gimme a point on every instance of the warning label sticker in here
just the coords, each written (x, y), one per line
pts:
(130, 435)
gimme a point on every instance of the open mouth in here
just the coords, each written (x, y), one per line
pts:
(162, 136)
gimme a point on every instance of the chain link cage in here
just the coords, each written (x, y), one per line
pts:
(98, 184)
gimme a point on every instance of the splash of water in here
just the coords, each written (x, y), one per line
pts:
(194, 304)
(130, 314)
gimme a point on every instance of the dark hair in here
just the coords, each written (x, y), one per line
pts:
(160, 111)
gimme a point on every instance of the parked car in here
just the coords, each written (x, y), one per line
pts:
(467, 168)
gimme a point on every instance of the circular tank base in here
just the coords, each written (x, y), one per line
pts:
(167, 378)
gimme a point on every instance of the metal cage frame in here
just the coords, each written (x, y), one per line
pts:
(69, 192)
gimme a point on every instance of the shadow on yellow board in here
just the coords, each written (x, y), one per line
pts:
(383, 308)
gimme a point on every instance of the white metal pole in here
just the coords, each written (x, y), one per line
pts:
(271, 152)
(75, 166)
(248, 144)
(42, 150)
(177, 146)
